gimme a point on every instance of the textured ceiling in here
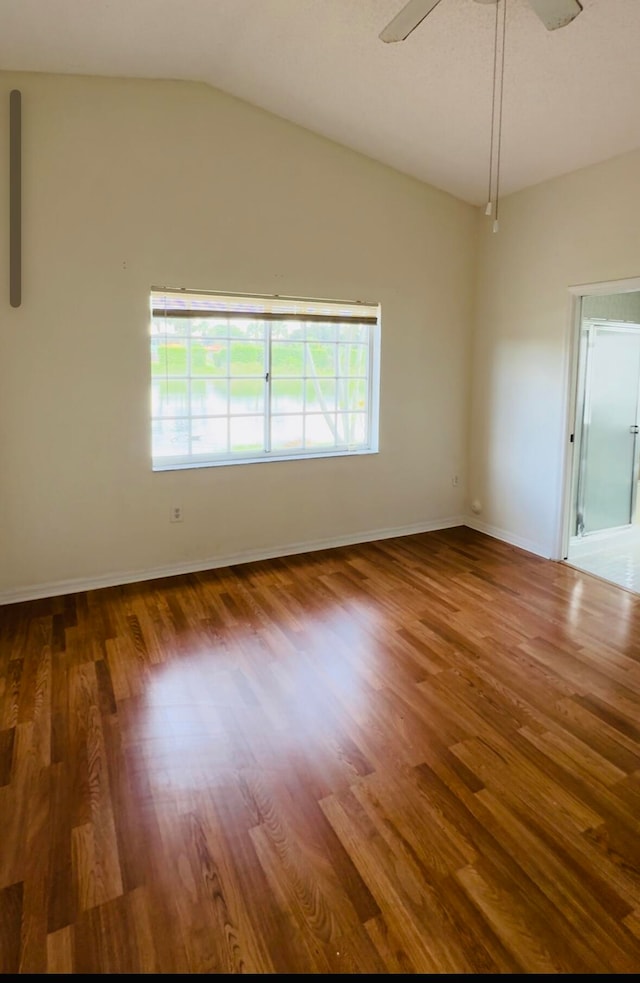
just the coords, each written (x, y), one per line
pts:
(571, 97)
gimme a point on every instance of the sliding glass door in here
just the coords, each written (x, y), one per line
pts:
(608, 438)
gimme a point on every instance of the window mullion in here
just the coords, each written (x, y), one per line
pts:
(267, 392)
(305, 366)
(228, 343)
(190, 445)
(369, 406)
(337, 385)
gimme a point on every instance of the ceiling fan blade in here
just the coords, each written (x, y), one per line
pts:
(412, 14)
(556, 13)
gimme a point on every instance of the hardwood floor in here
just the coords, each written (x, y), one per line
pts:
(418, 755)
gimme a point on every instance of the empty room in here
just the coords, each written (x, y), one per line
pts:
(319, 461)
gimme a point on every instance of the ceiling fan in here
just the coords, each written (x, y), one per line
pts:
(552, 13)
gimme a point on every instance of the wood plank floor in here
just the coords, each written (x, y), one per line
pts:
(419, 755)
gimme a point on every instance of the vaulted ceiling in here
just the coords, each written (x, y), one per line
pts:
(423, 106)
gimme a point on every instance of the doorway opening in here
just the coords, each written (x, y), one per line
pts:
(603, 535)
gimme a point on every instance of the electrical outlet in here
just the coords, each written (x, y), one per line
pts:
(454, 481)
(175, 514)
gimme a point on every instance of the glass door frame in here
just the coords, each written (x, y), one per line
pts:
(588, 333)
(567, 492)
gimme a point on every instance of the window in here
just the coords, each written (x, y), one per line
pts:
(239, 379)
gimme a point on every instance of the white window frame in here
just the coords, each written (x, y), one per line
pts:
(195, 305)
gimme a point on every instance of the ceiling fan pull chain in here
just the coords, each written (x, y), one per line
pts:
(489, 208)
(499, 154)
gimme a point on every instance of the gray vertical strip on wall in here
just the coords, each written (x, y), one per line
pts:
(15, 198)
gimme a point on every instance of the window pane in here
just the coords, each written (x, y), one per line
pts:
(247, 434)
(209, 436)
(247, 358)
(170, 356)
(169, 437)
(316, 331)
(287, 358)
(208, 398)
(352, 428)
(352, 394)
(357, 391)
(354, 332)
(352, 360)
(320, 430)
(248, 328)
(169, 398)
(287, 331)
(321, 394)
(287, 396)
(208, 356)
(286, 432)
(158, 359)
(321, 359)
(171, 327)
(246, 396)
(209, 327)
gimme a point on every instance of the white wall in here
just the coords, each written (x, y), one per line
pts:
(579, 229)
(129, 184)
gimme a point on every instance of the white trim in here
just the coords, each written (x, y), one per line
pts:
(267, 458)
(567, 447)
(506, 537)
(624, 286)
(58, 587)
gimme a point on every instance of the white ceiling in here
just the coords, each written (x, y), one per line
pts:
(571, 98)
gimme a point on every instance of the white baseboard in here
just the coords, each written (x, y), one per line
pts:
(506, 537)
(56, 588)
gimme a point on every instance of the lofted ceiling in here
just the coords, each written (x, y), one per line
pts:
(422, 106)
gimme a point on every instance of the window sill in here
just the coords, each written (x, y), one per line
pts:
(263, 459)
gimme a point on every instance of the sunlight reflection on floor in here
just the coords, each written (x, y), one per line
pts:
(614, 557)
